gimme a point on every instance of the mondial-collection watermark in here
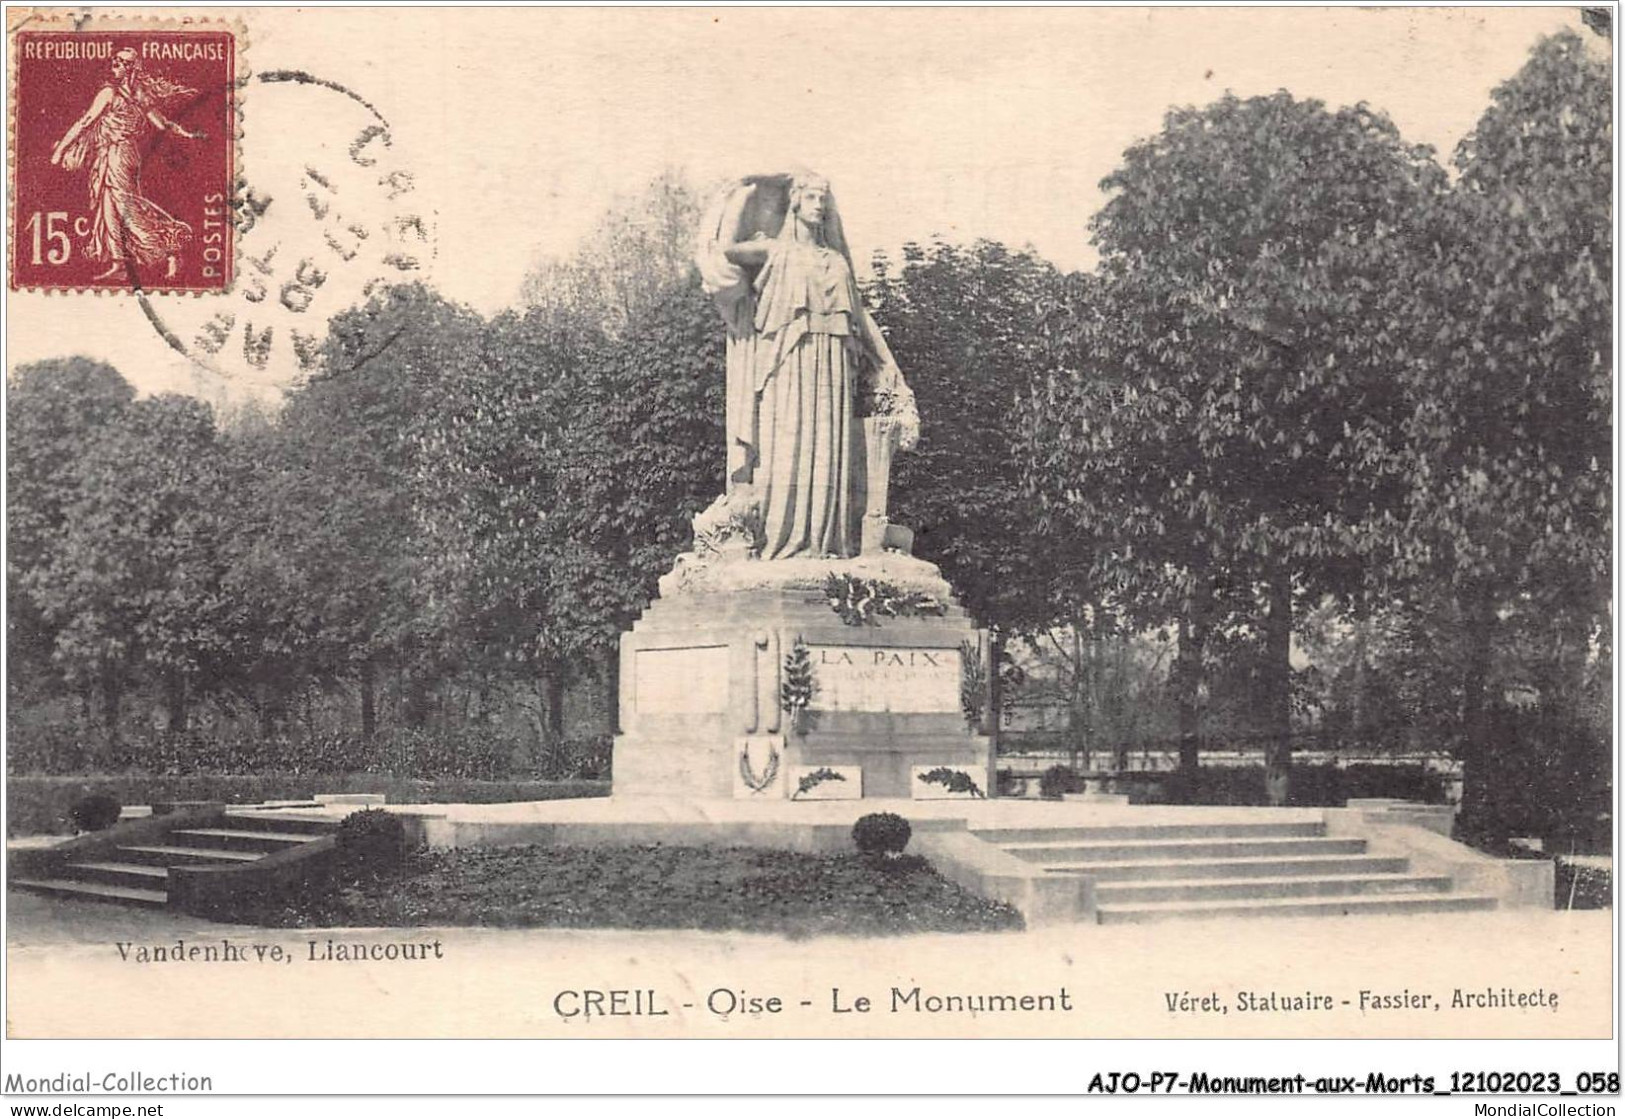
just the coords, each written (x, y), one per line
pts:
(88, 1083)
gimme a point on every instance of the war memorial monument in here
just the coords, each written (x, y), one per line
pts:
(799, 650)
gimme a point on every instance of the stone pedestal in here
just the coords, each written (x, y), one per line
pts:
(702, 672)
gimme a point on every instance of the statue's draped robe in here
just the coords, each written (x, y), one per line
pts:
(807, 359)
(798, 362)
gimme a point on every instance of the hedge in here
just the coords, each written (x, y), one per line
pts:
(1309, 786)
(1543, 774)
(1584, 885)
(67, 749)
(40, 805)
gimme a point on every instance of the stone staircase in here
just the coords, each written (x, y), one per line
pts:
(138, 873)
(1157, 872)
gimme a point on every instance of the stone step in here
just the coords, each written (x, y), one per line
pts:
(141, 876)
(1146, 912)
(167, 854)
(1090, 832)
(94, 891)
(1285, 866)
(1216, 889)
(242, 839)
(261, 820)
(1156, 850)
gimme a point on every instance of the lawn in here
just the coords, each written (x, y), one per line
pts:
(648, 887)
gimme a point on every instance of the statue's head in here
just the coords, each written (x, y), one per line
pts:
(809, 197)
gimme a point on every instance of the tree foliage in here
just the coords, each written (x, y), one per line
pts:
(54, 410)
(963, 323)
(1230, 426)
(639, 248)
(1508, 442)
(133, 581)
(1505, 544)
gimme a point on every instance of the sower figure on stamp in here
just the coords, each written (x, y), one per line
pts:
(816, 403)
(125, 224)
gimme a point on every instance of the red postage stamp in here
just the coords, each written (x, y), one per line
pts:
(123, 152)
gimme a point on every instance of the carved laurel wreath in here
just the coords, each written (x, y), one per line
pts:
(862, 602)
(954, 781)
(747, 772)
(814, 779)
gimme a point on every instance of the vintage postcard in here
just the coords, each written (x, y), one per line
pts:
(1085, 524)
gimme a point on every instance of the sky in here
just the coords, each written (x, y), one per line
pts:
(519, 127)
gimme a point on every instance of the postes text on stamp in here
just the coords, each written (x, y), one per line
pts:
(123, 152)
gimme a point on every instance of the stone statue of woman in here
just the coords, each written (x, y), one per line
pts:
(816, 403)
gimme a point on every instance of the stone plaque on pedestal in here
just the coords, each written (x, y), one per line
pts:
(861, 678)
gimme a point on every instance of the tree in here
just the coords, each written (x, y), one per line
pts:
(490, 473)
(639, 248)
(566, 468)
(964, 323)
(133, 585)
(1240, 428)
(54, 412)
(643, 453)
(1098, 491)
(280, 642)
(618, 360)
(353, 520)
(1507, 527)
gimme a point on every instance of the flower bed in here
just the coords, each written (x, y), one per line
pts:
(648, 887)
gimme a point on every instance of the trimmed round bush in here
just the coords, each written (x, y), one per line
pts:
(373, 839)
(95, 812)
(1057, 781)
(881, 833)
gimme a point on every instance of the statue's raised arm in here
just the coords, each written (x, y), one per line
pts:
(816, 402)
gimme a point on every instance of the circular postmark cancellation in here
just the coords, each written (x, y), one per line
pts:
(123, 155)
(128, 179)
(326, 215)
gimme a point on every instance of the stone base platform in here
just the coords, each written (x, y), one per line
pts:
(706, 671)
(1063, 862)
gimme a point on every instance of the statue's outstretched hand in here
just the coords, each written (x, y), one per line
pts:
(904, 412)
(908, 429)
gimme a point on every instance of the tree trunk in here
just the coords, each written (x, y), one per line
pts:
(1278, 691)
(1100, 722)
(1077, 720)
(272, 697)
(419, 701)
(369, 701)
(1188, 672)
(995, 687)
(1185, 683)
(553, 691)
(612, 690)
(1362, 639)
(1475, 752)
(112, 695)
(175, 700)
